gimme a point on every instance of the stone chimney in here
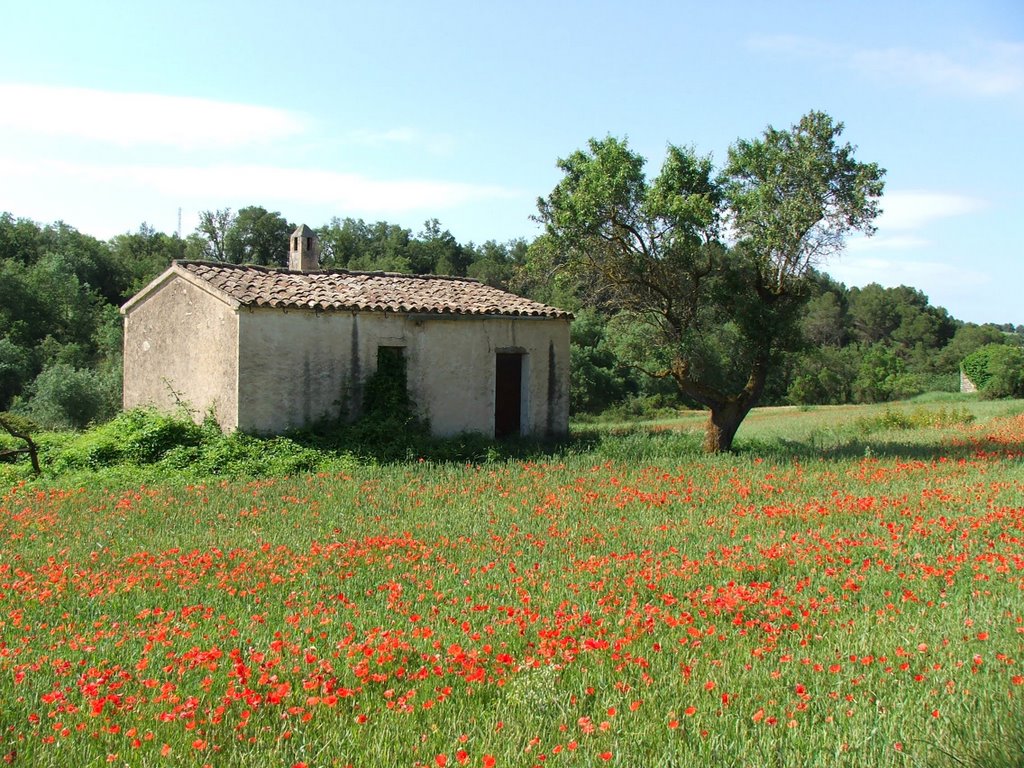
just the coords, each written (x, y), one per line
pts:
(304, 255)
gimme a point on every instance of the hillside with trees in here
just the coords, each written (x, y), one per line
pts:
(60, 330)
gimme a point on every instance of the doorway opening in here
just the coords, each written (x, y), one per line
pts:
(386, 392)
(508, 394)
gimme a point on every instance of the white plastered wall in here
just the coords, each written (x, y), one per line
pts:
(181, 349)
(299, 366)
(452, 371)
(295, 367)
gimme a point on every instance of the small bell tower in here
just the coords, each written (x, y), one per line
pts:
(304, 255)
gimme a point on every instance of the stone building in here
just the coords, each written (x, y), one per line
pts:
(266, 350)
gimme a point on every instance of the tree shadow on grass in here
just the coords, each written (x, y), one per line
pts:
(384, 441)
(998, 437)
(885, 447)
(659, 445)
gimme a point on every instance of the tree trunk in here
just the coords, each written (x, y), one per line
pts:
(20, 429)
(725, 418)
(727, 413)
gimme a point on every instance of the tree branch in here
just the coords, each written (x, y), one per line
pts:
(20, 428)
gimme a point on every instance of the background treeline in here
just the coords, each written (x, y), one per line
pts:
(60, 329)
(859, 345)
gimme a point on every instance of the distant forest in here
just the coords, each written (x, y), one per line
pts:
(60, 329)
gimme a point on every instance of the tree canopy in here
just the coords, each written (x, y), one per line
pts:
(706, 274)
(254, 235)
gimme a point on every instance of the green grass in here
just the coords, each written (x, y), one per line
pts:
(810, 428)
(846, 590)
(151, 446)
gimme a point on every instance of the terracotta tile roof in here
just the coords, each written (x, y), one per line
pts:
(363, 291)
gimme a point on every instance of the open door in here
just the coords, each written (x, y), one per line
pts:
(508, 394)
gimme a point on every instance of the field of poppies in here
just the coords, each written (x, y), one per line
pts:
(581, 611)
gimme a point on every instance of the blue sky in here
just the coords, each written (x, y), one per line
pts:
(119, 113)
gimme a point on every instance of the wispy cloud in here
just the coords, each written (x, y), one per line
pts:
(996, 69)
(347, 191)
(992, 68)
(905, 251)
(935, 278)
(887, 243)
(105, 189)
(139, 119)
(228, 182)
(907, 215)
(438, 143)
(910, 209)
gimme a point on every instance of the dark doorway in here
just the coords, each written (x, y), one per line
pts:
(386, 392)
(508, 394)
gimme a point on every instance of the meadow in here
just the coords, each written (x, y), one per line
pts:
(847, 590)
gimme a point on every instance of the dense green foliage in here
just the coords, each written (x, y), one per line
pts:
(706, 275)
(60, 332)
(997, 370)
(60, 290)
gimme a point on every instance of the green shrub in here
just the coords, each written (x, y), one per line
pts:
(136, 437)
(877, 375)
(15, 370)
(823, 376)
(997, 370)
(975, 365)
(642, 408)
(242, 454)
(91, 450)
(65, 397)
(597, 377)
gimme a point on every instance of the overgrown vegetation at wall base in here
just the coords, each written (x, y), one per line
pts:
(580, 611)
(175, 446)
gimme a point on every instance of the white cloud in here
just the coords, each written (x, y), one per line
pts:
(934, 277)
(214, 185)
(886, 243)
(981, 68)
(346, 190)
(906, 217)
(135, 119)
(995, 69)
(438, 143)
(913, 209)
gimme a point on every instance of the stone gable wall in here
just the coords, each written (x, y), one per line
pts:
(181, 349)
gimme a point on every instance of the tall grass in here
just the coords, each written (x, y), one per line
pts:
(623, 601)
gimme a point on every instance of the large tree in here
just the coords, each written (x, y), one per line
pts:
(209, 239)
(258, 236)
(144, 254)
(252, 236)
(707, 274)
